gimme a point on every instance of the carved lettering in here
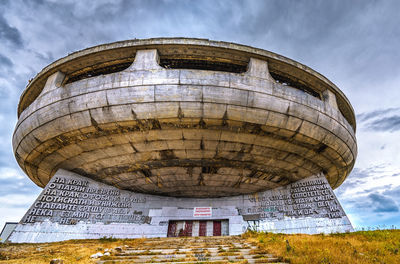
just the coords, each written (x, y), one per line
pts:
(312, 198)
(68, 201)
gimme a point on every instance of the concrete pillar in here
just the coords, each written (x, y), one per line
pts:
(180, 225)
(54, 81)
(330, 98)
(210, 228)
(195, 228)
(258, 68)
(146, 60)
(224, 228)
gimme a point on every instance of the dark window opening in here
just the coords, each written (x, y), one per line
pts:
(209, 170)
(202, 65)
(321, 148)
(100, 71)
(287, 81)
(146, 173)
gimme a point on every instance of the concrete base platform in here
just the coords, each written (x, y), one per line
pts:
(74, 207)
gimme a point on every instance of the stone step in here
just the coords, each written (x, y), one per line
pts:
(250, 256)
(183, 257)
(178, 262)
(208, 241)
(184, 262)
(205, 253)
(173, 256)
(263, 260)
(170, 246)
(192, 254)
(182, 250)
(188, 245)
(194, 250)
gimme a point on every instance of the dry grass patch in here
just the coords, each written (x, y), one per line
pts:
(380, 246)
(71, 251)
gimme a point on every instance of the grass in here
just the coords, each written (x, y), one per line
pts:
(380, 246)
(71, 251)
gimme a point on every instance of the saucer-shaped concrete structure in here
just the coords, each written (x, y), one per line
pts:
(182, 137)
(185, 118)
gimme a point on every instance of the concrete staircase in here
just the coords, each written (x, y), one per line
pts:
(228, 249)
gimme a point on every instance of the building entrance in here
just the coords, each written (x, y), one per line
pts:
(198, 228)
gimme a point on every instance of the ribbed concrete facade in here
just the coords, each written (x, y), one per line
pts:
(184, 132)
(184, 118)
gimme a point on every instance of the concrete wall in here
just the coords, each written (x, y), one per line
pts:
(143, 127)
(75, 207)
(7, 230)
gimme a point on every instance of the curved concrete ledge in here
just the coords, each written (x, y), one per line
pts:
(124, 128)
(198, 49)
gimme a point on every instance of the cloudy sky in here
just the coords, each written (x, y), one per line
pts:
(353, 43)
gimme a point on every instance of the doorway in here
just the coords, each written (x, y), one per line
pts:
(182, 228)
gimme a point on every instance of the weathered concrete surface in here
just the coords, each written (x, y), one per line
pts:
(75, 207)
(6, 231)
(188, 133)
(123, 52)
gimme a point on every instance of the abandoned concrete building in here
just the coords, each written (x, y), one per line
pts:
(174, 136)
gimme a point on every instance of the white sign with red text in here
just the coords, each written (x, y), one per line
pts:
(202, 212)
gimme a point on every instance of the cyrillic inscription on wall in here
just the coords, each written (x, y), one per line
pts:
(68, 200)
(306, 198)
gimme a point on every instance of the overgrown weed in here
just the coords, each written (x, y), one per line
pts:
(378, 246)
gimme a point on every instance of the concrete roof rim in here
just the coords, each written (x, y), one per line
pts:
(187, 41)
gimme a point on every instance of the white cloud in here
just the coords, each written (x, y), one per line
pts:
(10, 173)
(17, 200)
(12, 214)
